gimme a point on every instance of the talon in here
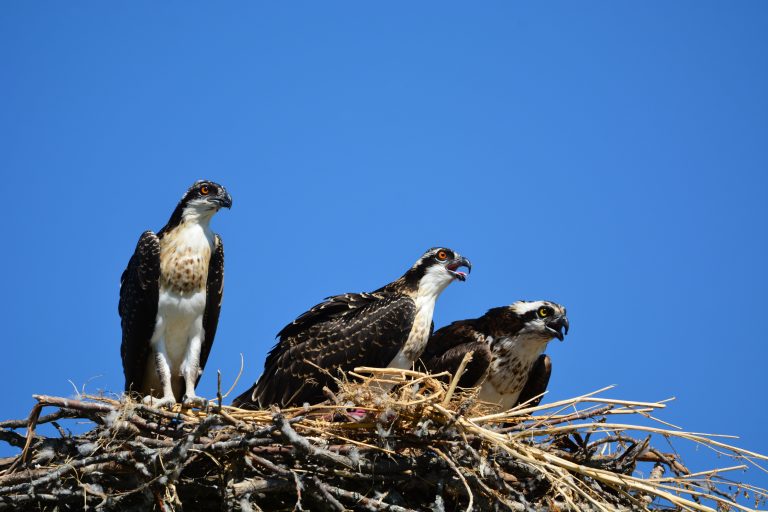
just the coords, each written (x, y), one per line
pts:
(194, 401)
(166, 402)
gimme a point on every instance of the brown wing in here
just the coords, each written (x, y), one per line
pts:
(139, 289)
(538, 379)
(344, 332)
(214, 288)
(331, 308)
(446, 349)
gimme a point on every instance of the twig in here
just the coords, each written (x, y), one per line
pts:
(414, 442)
(461, 477)
(366, 502)
(304, 446)
(459, 372)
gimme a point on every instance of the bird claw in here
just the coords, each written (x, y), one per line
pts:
(166, 402)
(194, 401)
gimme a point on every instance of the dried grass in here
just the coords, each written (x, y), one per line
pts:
(426, 445)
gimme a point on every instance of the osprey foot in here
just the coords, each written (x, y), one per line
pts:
(194, 401)
(166, 402)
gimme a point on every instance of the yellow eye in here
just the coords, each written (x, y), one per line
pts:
(205, 190)
(442, 255)
(543, 312)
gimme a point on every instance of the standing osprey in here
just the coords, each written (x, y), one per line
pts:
(508, 344)
(385, 328)
(170, 297)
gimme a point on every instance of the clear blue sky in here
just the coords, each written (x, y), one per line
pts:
(608, 156)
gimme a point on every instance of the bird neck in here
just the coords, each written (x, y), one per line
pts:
(198, 215)
(525, 348)
(431, 285)
(190, 215)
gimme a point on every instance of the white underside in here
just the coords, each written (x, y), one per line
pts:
(401, 361)
(419, 335)
(430, 288)
(489, 394)
(174, 365)
(177, 339)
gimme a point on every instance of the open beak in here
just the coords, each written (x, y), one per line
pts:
(558, 326)
(458, 262)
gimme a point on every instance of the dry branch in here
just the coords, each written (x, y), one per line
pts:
(426, 445)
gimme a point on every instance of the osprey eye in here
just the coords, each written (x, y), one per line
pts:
(205, 189)
(543, 312)
(442, 255)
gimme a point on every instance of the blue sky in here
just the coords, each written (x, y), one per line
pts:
(608, 156)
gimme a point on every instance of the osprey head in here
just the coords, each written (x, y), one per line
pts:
(204, 198)
(436, 269)
(540, 319)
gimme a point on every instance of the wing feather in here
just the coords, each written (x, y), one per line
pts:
(343, 332)
(538, 380)
(457, 333)
(139, 289)
(331, 308)
(446, 349)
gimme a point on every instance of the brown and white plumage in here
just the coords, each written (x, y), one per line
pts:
(508, 344)
(385, 328)
(170, 298)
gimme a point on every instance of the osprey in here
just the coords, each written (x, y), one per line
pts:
(388, 327)
(508, 343)
(170, 297)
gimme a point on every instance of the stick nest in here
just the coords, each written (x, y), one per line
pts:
(425, 445)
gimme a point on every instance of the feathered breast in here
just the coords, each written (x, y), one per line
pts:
(185, 253)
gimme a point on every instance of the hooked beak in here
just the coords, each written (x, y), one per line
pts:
(558, 326)
(454, 265)
(223, 200)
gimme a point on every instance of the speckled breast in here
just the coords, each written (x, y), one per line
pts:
(184, 265)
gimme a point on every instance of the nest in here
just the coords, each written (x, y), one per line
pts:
(425, 445)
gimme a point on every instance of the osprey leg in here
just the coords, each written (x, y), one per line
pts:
(163, 370)
(190, 368)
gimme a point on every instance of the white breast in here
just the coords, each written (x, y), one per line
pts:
(431, 285)
(181, 317)
(419, 335)
(181, 306)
